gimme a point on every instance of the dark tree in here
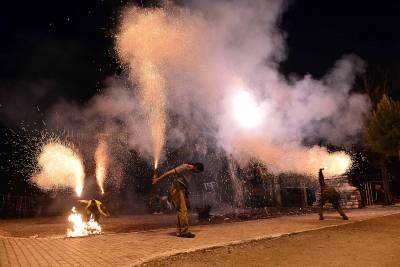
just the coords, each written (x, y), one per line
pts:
(383, 136)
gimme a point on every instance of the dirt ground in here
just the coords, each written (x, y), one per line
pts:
(373, 242)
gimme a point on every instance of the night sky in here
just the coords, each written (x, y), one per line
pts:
(68, 45)
(319, 32)
(64, 49)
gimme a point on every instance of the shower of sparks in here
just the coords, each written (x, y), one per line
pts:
(165, 41)
(101, 157)
(337, 163)
(60, 166)
(153, 101)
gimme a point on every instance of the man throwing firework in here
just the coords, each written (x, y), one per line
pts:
(328, 194)
(179, 194)
(93, 209)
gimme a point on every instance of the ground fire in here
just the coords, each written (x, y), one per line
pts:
(80, 227)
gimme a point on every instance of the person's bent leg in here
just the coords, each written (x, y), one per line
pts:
(181, 227)
(86, 216)
(340, 210)
(321, 210)
(183, 214)
(178, 225)
(96, 216)
(183, 217)
(176, 204)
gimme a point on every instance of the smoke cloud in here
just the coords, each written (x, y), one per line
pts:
(196, 58)
(210, 51)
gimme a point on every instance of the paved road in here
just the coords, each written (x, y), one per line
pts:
(135, 248)
(369, 243)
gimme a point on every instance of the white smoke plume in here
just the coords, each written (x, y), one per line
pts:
(210, 51)
(113, 117)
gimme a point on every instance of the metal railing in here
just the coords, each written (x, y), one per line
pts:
(373, 193)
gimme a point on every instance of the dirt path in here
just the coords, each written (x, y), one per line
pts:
(373, 242)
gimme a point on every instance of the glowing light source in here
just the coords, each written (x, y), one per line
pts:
(156, 164)
(337, 163)
(81, 228)
(246, 110)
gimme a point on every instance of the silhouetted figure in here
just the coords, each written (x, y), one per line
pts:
(328, 194)
(179, 194)
(93, 209)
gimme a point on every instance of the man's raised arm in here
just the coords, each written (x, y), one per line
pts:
(156, 179)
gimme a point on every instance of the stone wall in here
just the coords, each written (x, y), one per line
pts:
(350, 196)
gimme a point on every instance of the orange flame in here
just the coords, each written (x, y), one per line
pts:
(81, 228)
(156, 164)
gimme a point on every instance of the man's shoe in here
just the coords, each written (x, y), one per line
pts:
(186, 235)
(321, 218)
(346, 218)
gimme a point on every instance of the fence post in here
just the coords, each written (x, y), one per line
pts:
(305, 196)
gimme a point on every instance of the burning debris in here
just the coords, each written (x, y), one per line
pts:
(81, 228)
(89, 224)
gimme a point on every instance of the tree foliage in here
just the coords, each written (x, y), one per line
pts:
(383, 134)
